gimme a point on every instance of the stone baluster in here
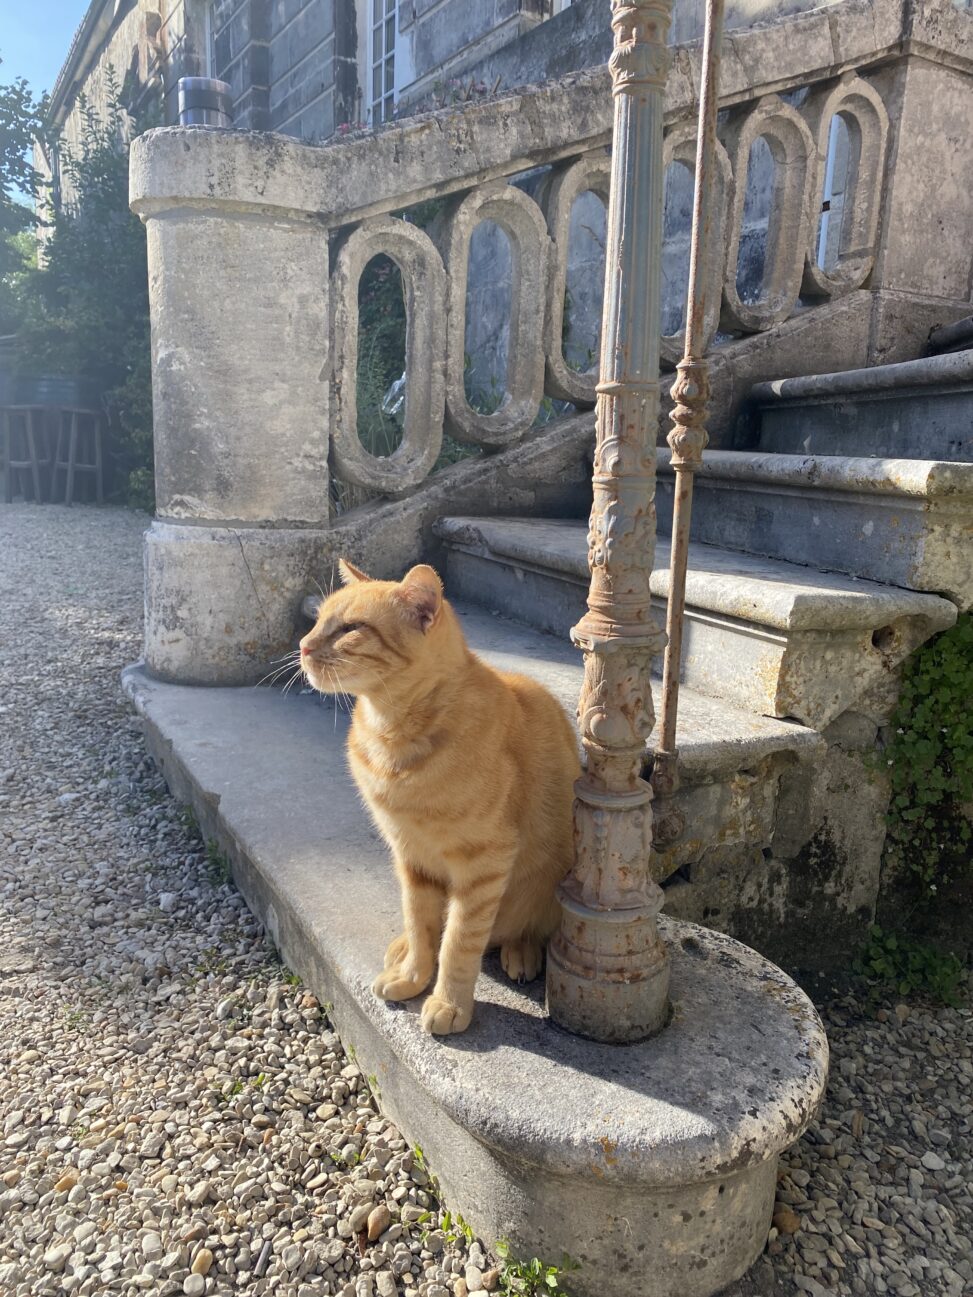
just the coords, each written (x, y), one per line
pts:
(608, 970)
(688, 437)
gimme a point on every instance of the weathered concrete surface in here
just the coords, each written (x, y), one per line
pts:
(240, 323)
(918, 409)
(222, 603)
(653, 1164)
(806, 890)
(901, 521)
(772, 637)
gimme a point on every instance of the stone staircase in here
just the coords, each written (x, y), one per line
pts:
(812, 577)
(866, 472)
(763, 635)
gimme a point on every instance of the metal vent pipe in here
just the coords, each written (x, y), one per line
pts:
(204, 101)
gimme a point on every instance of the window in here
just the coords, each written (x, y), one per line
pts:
(382, 95)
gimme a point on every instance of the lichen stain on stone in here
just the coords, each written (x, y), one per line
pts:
(609, 1146)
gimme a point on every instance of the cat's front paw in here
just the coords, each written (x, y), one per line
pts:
(398, 952)
(398, 984)
(442, 1018)
(521, 960)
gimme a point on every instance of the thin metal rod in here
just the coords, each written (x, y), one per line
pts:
(690, 391)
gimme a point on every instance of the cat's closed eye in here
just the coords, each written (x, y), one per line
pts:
(348, 627)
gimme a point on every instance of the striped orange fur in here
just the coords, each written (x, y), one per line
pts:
(468, 773)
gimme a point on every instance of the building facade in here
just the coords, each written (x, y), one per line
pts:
(309, 68)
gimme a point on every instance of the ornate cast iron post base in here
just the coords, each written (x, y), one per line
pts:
(608, 970)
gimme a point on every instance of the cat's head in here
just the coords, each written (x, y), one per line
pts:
(370, 631)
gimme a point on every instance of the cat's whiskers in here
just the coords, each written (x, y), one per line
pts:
(276, 671)
(298, 672)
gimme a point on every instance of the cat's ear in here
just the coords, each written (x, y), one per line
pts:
(350, 574)
(422, 593)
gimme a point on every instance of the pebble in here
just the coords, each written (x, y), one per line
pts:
(378, 1221)
(202, 1262)
(156, 1061)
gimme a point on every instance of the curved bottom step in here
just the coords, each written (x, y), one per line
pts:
(653, 1164)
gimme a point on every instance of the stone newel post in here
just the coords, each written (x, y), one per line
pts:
(608, 970)
(240, 338)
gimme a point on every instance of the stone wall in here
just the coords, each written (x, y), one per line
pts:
(580, 37)
(444, 38)
(291, 63)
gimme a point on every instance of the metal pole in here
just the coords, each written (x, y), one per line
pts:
(608, 970)
(688, 436)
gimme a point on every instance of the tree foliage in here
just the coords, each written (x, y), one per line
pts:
(21, 122)
(84, 312)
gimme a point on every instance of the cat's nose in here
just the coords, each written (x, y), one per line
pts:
(305, 651)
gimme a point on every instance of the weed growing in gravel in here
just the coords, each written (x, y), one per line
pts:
(217, 862)
(188, 820)
(530, 1278)
(75, 1019)
(911, 967)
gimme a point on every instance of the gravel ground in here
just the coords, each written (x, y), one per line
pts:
(176, 1114)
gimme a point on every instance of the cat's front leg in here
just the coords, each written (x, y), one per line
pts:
(411, 959)
(470, 916)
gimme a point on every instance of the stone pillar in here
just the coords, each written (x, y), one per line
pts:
(240, 339)
(608, 970)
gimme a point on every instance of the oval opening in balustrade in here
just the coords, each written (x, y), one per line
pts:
(489, 297)
(836, 224)
(381, 382)
(676, 233)
(755, 232)
(584, 283)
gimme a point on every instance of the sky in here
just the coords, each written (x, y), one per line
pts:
(34, 39)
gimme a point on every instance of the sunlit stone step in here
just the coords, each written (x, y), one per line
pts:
(771, 637)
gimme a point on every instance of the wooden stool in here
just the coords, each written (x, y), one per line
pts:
(26, 449)
(78, 431)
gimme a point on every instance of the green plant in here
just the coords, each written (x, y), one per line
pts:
(530, 1278)
(453, 1226)
(217, 862)
(85, 310)
(929, 757)
(894, 960)
(21, 122)
(187, 817)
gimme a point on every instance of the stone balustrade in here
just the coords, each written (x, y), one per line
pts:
(436, 271)
(257, 244)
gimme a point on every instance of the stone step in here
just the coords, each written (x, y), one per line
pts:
(957, 336)
(730, 759)
(903, 522)
(610, 1153)
(770, 637)
(919, 409)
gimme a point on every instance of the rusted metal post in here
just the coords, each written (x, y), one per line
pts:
(688, 436)
(608, 970)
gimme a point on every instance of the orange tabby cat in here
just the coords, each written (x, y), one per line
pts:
(468, 773)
